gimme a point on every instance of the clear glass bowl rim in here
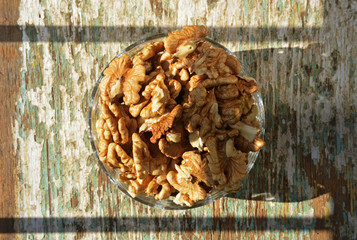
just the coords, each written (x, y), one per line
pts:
(148, 200)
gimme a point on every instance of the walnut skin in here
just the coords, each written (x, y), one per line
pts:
(215, 162)
(155, 184)
(116, 69)
(176, 142)
(236, 168)
(131, 85)
(194, 191)
(159, 94)
(142, 157)
(148, 52)
(117, 156)
(196, 166)
(182, 37)
(165, 123)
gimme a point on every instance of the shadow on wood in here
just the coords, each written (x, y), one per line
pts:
(156, 224)
(310, 128)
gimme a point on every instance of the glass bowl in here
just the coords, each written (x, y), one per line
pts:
(94, 114)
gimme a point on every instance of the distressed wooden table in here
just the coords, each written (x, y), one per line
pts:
(303, 55)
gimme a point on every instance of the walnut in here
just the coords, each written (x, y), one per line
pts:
(165, 123)
(144, 162)
(103, 139)
(251, 115)
(174, 88)
(158, 164)
(194, 101)
(247, 131)
(148, 52)
(231, 115)
(214, 115)
(99, 125)
(184, 75)
(203, 47)
(183, 199)
(206, 119)
(112, 74)
(227, 91)
(131, 86)
(154, 188)
(169, 68)
(232, 90)
(147, 113)
(173, 137)
(198, 57)
(126, 177)
(166, 57)
(233, 109)
(246, 84)
(233, 64)
(116, 91)
(236, 168)
(160, 96)
(142, 157)
(147, 93)
(171, 104)
(118, 110)
(170, 149)
(117, 156)
(146, 124)
(194, 81)
(221, 80)
(196, 141)
(139, 185)
(210, 62)
(104, 110)
(184, 185)
(126, 127)
(246, 146)
(207, 128)
(223, 134)
(209, 102)
(112, 124)
(118, 67)
(153, 74)
(121, 129)
(103, 149)
(176, 142)
(185, 49)
(105, 133)
(178, 65)
(196, 166)
(165, 192)
(135, 109)
(215, 162)
(193, 123)
(185, 36)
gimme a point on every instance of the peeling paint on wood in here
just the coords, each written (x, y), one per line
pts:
(302, 54)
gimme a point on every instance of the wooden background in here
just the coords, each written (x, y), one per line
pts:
(303, 55)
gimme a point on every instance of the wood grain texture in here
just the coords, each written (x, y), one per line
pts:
(303, 185)
(9, 84)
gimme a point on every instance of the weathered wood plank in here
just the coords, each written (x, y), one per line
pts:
(10, 59)
(301, 53)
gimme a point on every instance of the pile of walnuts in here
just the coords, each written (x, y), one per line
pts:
(177, 120)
